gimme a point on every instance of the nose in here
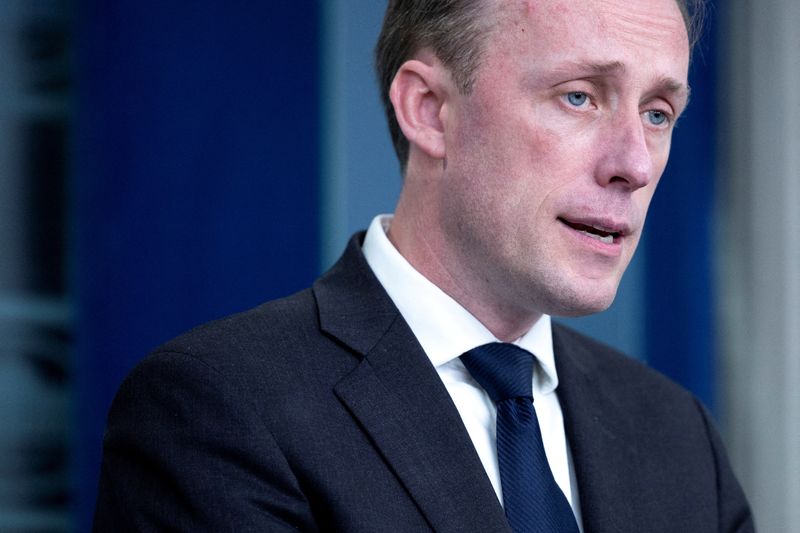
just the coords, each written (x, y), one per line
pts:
(626, 159)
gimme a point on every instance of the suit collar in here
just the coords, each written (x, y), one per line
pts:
(402, 404)
(602, 439)
(353, 307)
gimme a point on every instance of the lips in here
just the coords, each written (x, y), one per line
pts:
(605, 231)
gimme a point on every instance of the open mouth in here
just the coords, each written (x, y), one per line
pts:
(603, 235)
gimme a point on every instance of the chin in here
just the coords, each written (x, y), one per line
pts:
(573, 301)
(574, 311)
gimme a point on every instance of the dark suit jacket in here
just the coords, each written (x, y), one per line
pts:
(321, 411)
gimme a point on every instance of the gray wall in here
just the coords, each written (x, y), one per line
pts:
(759, 236)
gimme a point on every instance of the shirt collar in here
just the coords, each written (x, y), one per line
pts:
(441, 325)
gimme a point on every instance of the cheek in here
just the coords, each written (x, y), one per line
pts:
(555, 161)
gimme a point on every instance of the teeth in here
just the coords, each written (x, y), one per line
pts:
(607, 239)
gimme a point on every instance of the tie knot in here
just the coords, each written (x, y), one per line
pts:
(504, 370)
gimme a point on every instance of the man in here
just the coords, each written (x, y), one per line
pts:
(531, 136)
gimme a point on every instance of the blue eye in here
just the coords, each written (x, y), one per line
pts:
(657, 118)
(577, 98)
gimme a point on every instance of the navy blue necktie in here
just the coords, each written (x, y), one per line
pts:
(532, 499)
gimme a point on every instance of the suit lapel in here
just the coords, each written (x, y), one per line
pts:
(601, 438)
(402, 404)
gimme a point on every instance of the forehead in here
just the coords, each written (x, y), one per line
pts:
(644, 33)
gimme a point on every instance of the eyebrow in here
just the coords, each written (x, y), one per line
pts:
(591, 68)
(674, 87)
(664, 84)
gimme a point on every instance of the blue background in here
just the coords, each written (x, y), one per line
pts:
(223, 152)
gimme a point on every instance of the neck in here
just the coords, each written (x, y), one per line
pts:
(415, 236)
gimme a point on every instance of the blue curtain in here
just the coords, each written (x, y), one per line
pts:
(195, 188)
(679, 247)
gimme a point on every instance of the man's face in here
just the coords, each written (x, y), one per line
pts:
(552, 159)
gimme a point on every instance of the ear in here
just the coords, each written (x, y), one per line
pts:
(418, 94)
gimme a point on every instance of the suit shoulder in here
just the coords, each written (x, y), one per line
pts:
(277, 345)
(267, 323)
(620, 371)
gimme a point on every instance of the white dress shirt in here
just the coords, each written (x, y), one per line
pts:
(446, 330)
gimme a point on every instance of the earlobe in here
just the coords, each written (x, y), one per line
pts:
(418, 94)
